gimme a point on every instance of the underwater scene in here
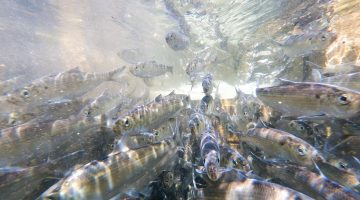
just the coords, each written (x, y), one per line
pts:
(180, 99)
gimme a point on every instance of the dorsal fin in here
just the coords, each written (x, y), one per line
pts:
(283, 82)
(159, 98)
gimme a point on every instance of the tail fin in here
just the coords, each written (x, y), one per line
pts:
(115, 74)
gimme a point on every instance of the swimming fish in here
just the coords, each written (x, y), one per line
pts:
(150, 115)
(150, 69)
(177, 40)
(105, 179)
(210, 153)
(281, 144)
(311, 99)
(297, 45)
(231, 158)
(301, 179)
(251, 189)
(34, 143)
(68, 84)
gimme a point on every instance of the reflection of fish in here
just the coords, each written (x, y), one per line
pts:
(150, 69)
(36, 142)
(151, 115)
(310, 99)
(297, 45)
(69, 84)
(105, 179)
(303, 180)
(282, 145)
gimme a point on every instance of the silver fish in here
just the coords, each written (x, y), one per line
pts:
(210, 153)
(207, 84)
(68, 84)
(100, 179)
(282, 145)
(297, 45)
(177, 40)
(34, 143)
(150, 115)
(303, 180)
(310, 99)
(251, 189)
(150, 69)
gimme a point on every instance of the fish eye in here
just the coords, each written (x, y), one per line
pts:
(25, 93)
(301, 150)
(342, 165)
(323, 38)
(127, 123)
(301, 127)
(344, 99)
(234, 162)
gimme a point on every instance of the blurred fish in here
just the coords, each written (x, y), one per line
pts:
(282, 145)
(68, 84)
(297, 45)
(100, 179)
(11, 84)
(150, 69)
(207, 84)
(34, 143)
(346, 178)
(335, 69)
(230, 158)
(210, 153)
(103, 103)
(311, 99)
(131, 56)
(303, 180)
(177, 40)
(251, 189)
(351, 81)
(151, 115)
(18, 183)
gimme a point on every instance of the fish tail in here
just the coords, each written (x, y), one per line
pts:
(114, 75)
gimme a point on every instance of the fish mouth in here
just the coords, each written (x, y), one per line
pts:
(212, 172)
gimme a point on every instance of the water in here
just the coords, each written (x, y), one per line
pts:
(233, 40)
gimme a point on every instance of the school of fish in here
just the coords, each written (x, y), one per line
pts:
(289, 139)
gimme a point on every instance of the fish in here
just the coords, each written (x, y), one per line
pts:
(281, 144)
(210, 153)
(302, 44)
(11, 84)
(207, 84)
(231, 158)
(344, 177)
(100, 179)
(34, 143)
(335, 69)
(150, 69)
(301, 179)
(20, 182)
(351, 81)
(177, 41)
(68, 84)
(311, 99)
(103, 103)
(150, 115)
(251, 189)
